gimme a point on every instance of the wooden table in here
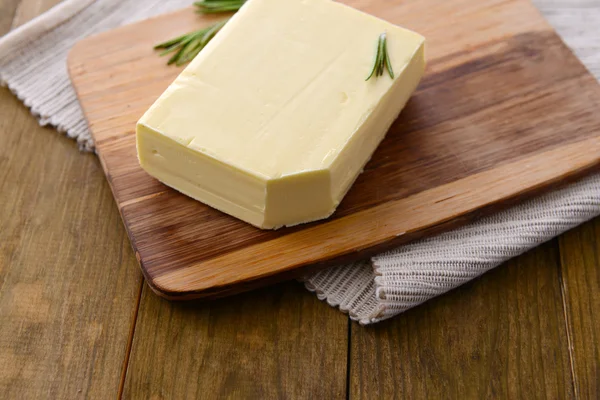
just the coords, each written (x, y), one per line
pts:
(77, 320)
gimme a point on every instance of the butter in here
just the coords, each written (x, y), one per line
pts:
(273, 121)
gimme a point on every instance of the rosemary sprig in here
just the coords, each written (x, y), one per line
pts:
(382, 59)
(218, 6)
(187, 46)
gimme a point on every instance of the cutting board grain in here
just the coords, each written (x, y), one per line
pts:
(504, 111)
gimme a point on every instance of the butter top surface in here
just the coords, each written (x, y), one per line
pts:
(274, 98)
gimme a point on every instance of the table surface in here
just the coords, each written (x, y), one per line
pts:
(528, 329)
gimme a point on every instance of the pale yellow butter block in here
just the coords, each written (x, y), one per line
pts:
(273, 121)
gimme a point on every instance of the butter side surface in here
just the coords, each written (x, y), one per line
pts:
(273, 121)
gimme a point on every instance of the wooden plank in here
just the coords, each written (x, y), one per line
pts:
(580, 273)
(68, 281)
(501, 336)
(276, 343)
(68, 276)
(500, 114)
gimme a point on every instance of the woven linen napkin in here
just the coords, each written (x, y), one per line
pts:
(33, 66)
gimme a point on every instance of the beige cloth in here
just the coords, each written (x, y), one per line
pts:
(33, 65)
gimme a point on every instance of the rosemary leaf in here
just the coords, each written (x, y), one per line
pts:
(187, 46)
(375, 63)
(170, 43)
(382, 59)
(169, 49)
(211, 32)
(181, 55)
(388, 63)
(218, 6)
(380, 54)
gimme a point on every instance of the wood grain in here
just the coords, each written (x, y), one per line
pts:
(68, 280)
(280, 343)
(68, 292)
(501, 336)
(580, 273)
(500, 113)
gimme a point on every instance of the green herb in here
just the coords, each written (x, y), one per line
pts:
(382, 59)
(218, 6)
(186, 47)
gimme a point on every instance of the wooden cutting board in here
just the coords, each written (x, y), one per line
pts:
(504, 111)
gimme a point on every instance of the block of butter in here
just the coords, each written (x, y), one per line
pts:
(274, 120)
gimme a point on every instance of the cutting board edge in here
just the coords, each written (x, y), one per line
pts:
(232, 287)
